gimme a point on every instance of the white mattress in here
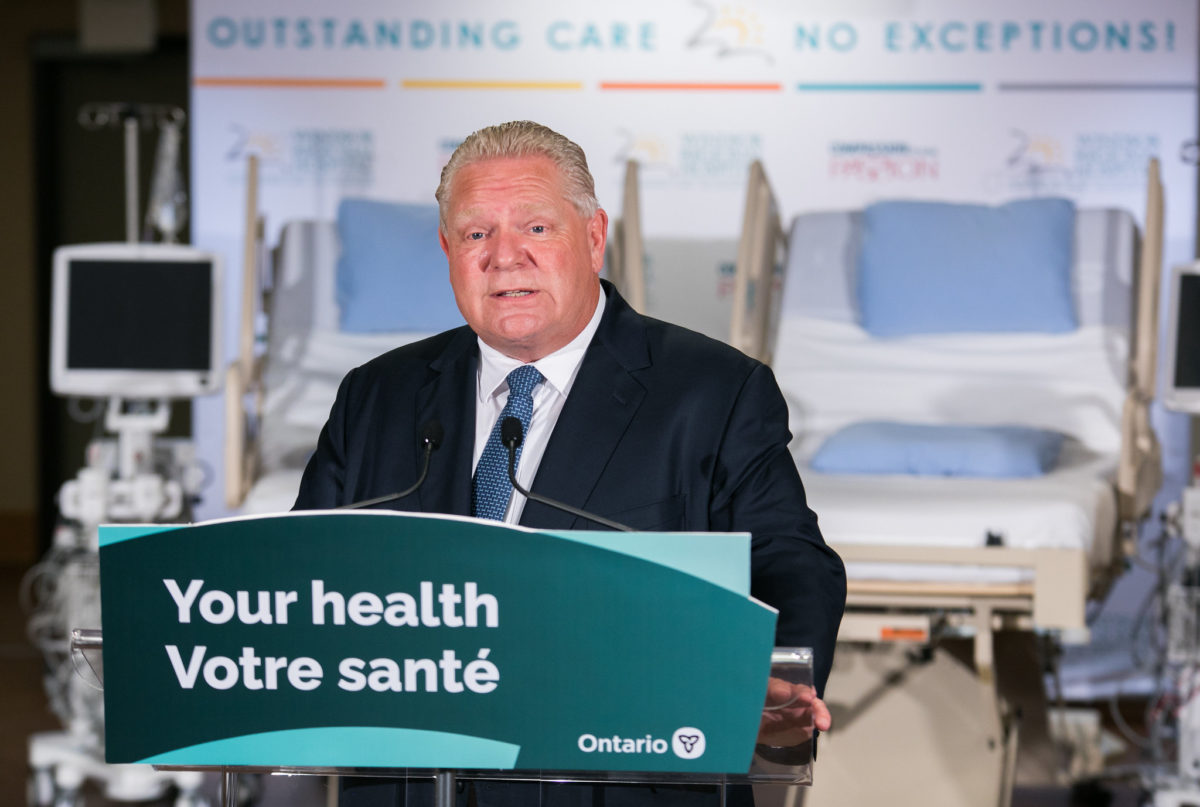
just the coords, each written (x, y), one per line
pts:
(833, 374)
(302, 380)
(307, 357)
(273, 493)
(1073, 507)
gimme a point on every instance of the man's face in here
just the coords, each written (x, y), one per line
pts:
(524, 264)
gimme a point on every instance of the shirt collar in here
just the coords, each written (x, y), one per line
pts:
(559, 368)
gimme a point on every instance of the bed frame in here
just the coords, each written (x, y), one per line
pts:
(244, 376)
(761, 249)
(626, 254)
(922, 616)
(1056, 599)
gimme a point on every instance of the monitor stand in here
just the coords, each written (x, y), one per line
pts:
(126, 485)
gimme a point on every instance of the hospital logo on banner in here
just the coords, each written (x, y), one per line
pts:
(883, 162)
(727, 31)
(689, 158)
(327, 154)
(1095, 160)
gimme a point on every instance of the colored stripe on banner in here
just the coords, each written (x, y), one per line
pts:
(447, 84)
(889, 87)
(1131, 86)
(722, 86)
(292, 83)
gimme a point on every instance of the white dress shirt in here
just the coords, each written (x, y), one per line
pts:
(559, 370)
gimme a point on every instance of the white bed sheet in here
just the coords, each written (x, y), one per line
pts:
(273, 493)
(833, 374)
(302, 379)
(1072, 507)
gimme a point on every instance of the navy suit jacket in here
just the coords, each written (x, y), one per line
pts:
(664, 429)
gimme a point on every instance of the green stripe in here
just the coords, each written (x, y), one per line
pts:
(347, 746)
(116, 533)
(720, 558)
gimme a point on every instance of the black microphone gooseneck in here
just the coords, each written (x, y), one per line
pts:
(431, 438)
(512, 434)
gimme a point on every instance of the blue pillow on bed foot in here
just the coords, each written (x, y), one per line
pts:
(997, 452)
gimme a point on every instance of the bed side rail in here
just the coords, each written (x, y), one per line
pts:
(626, 259)
(754, 298)
(243, 377)
(1139, 472)
(1055, 597)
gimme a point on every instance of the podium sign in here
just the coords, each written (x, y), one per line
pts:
(380, 639)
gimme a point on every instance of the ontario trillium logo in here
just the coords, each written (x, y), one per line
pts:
(688, 743)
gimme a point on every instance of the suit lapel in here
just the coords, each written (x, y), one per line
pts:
(449, 396)
(603, 400)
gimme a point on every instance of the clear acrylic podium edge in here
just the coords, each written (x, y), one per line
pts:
(785, 764)
(790, 764)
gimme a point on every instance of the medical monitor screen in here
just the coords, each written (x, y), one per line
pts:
(1187, 337)
(1182, 391)
(148, 315)
(135, 321)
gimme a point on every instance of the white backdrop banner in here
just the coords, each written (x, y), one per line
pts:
(845, 103)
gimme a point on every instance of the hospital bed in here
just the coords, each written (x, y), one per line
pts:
(930, 557)
(309, 317)
(311, 312)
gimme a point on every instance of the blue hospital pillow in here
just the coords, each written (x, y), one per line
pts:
(934, 267)
(880, 447)
(391, 274)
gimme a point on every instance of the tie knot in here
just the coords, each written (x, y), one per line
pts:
(522, 380)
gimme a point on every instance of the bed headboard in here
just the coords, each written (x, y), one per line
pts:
(307, 352)
(823, 255)
(833, 373)
(305, 265)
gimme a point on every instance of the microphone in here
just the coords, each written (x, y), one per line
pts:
(431, 438)
(512, 434)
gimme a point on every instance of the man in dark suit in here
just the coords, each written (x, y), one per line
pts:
(626, 417)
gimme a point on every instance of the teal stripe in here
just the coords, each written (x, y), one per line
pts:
(889, 87)
(720, 558)
(116, 533)
(348, 746)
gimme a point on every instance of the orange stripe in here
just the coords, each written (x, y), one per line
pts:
(689, 85)
(903, 635)
(476, 84)
(319, 83)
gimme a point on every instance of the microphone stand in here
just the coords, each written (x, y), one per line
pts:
(511, 442)
(429, 447)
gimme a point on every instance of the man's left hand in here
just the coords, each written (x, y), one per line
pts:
(790, 714)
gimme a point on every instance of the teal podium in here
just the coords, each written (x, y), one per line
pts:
(407, 644)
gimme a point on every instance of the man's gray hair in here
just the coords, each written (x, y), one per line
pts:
(523, 138)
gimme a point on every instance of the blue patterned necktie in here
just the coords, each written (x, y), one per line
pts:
(492, 486)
